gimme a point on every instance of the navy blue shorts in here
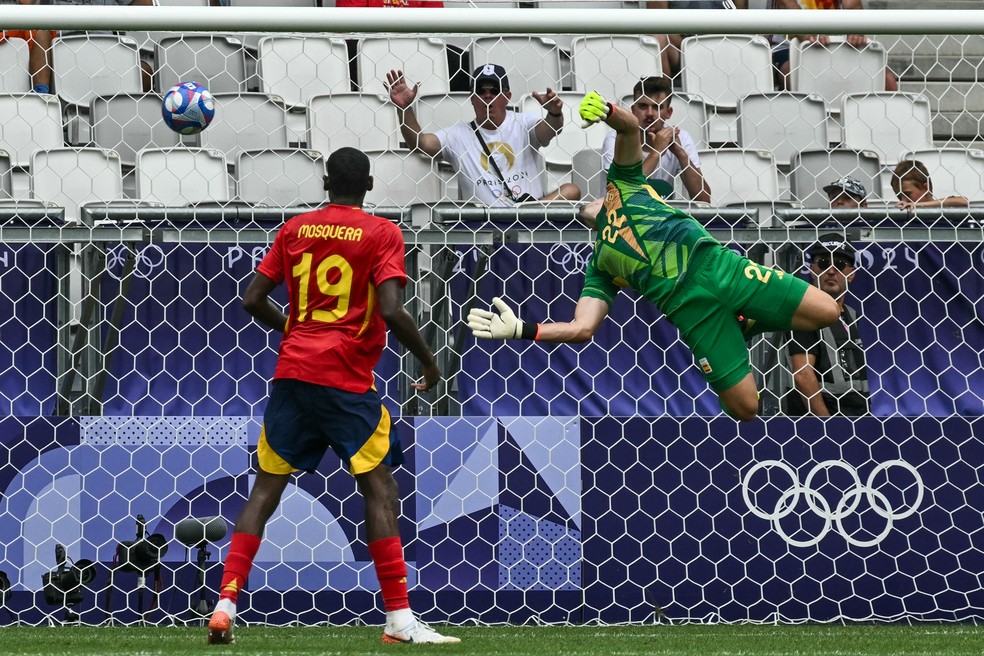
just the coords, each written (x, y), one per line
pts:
(303, 420)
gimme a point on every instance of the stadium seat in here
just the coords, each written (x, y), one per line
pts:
(612, 64)
(88, 65)
(954, 171)
(360, 120)
(297, 68)
(737, 176)
(422, 60)
(588, 174)
(721, 69)
(30, 122)
(218, 62)
(890, 123)
(403, 178)
(532, 63)
(128, 124)
(443, 110)
(70, 177)
(15, 76)
(6, 177)
(249, 121)
(812, 170)
(182, 176)
(560, 151)
(837, 69)
(689, 114)
(281, 177)
(781, 122)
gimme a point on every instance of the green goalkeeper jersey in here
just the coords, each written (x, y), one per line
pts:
(643, 243)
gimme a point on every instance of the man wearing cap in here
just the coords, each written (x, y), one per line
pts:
(496, 155)
(828, 366)
(846, 193)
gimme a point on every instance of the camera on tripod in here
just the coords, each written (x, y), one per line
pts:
(142, 554)
(63, 585)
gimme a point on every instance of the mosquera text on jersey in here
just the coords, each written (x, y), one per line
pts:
(332, 260)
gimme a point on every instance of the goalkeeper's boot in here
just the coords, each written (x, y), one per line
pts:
(416, 632)
(220, 629)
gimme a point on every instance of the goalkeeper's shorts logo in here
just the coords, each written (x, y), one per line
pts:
(705, 365)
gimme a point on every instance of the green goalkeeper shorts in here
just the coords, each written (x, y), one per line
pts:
(719, 285)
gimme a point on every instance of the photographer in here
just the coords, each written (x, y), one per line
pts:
(496, 155)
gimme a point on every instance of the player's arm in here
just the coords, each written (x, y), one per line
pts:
(807, 384)
(404, 328)
(504, 324)
(628, 137)
(256, 301)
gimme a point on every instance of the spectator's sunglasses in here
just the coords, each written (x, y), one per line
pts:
(822, 262)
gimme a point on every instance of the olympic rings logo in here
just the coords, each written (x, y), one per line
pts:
(149, 258)
(572, 259)
(833, 516)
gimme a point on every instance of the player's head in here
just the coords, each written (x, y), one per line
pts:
(832, 263)
(347, 175)
(651, 102)
(490, 94)
(911, 181)
(846, 193)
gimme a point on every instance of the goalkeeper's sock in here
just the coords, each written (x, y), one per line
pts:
(391, 570)
(242, 551)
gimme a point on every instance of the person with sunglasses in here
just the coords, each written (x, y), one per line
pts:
(829, 372)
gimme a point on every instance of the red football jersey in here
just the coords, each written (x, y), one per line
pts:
(333, 259)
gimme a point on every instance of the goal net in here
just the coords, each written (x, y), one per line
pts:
(544, 483)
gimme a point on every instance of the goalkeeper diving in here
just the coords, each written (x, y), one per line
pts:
(716, 298)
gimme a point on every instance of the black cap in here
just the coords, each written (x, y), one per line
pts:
(832, 243)
(492, 72)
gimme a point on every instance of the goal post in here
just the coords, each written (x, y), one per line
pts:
(596, 483)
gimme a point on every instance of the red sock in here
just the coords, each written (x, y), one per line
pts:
(391, 569)
(242, 550)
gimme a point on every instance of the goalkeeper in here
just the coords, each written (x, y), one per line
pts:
(669, 258)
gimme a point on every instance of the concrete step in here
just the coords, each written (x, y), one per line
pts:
(949, 97)
(937, 68)
(964, 45)
(922, 4)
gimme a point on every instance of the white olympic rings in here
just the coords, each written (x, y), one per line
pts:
(818, 504)
(572, 259)
(149, 258)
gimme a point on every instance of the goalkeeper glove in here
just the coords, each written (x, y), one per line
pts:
(594, 108)
(504, 325)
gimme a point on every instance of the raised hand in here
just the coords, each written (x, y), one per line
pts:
(550, 101)
(491, 325)
(593, 108)
(401, 94)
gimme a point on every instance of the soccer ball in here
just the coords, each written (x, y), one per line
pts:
(188, 108)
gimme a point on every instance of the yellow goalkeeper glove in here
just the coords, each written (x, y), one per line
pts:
(594, 108)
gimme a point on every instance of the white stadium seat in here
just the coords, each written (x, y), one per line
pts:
(402, 178)
(812, 170)
(736, 175)
(248, 121)
(297, 68)
(360, 120)
(890, 123)
(834, 70)
(281, 178)
(422, 60)
(88, 65)
(30, 122)
(612, 64)
(954, 171)
(70, 177)
(182, 176)
(531, 63)
(782, 122)
(218, 62)
(130, 123)
(14, 73)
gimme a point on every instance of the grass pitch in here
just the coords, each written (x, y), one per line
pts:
(716, 640)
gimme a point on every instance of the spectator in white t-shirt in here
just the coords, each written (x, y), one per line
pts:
(667, 151)
(508, 168)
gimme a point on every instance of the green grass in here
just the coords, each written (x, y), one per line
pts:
(722, 640)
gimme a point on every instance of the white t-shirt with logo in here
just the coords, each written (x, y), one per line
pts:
(515, 149)
(669, 166)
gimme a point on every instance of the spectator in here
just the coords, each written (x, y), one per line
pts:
(914, 188)
(39, 58)
(829, 371)
(667, 151)
(496, 154)
(846, 193)
(780, 48)
(669, 44)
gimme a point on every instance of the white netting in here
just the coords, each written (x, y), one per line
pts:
(544, 483)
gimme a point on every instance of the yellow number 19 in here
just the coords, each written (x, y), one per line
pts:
(341, 290)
